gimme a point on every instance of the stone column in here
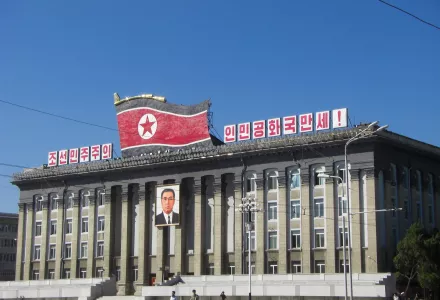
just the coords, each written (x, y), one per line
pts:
(123, 288)
(75, 237)
(43, 247)
(110, 196)
(372, 194)
(160, 257)
(282, 225)
(306, 218)
(143, 195)
(180, 232)
(20, 240)
(260, 231)
(199, 211)
(219, 232)
(239, 246)
(331, 207)
(29, 238)
(60, 236)
(91, 236)
(356, 254)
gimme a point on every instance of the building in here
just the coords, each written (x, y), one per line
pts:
(8, 245)
(98, 219)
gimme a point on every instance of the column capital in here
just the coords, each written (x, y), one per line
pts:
(30, 207)
(197, 186)
(370, 173)
(21, 207)
(124, 193)
(354, 175)
(218, 185)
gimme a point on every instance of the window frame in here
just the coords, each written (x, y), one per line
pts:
(38, 224)
(69, 226)
(52, 249)
(99, 244)
(295, 264)
(341, 233)
(83, 249)
(272, 211)
(34, 256)
(53, 227)
(101, 223)
(83, 219)
(318, 203)
(316, 234)
(297, 233)
(295, 174)
(274, 235)
(319, 264)
(297, 212)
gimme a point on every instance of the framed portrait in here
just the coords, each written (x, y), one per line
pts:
(167, 205)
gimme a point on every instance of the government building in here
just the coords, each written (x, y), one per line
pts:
(93, 224)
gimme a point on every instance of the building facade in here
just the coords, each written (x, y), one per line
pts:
(8, 245)
(97, 219)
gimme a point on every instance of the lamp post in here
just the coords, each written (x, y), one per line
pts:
(365, 133)
(344, 249)
(248, 206)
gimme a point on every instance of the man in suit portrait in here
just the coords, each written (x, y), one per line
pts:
(167, 216)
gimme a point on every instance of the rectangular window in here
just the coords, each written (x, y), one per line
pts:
(343, 205)
(295, 180)
(83, 250)
(341, 173)
(101, 223)
(341, 237)
(37, 252)
(211, 269)
(99, 272)
(84, 201)
(69, 204)
(296, 267)
(118, 273)
(273, 239)
(319, 266)
(295, 209)
(35, 275)
(67, 251)
(100, 249)
(68, 226)
(272, 182)
(319, 238)
(273, 267)
(272, 214)
(53, 227)
(342, 266)
(253, 246)
(85, 225)
(52, 251)
(38, 228)
(82, 273)
(295, 239)
(318, 182)
(406, 209)
(51, 274)
(101, 198)
(135, 273)
(53, 204)
(232, 269)
(66, 273)
(318, 207)
(250, 185)
(39, 204)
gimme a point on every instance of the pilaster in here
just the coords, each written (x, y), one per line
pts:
(200, 193)
(20, 241)
(143, 195)
(110, 195)
(180, 230)
(282, 225)
(372, 194)
(29, 238)
(43, 246)
(332, 234)
(59, 237)
(91, 238)
(306, 228)
(356, 254)
(238, 243)
(123, 288)
(260, 231)
(218, 209)
(75, 237)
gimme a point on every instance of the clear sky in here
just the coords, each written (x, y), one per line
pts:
(254, 59)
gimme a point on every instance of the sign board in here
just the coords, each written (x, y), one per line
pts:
(80, 155)
(167, 205)
(309, 122)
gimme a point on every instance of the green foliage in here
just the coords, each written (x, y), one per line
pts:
(418, 257)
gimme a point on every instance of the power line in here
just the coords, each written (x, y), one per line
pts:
(410, 14)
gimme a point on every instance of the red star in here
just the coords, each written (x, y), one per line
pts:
(147, 126)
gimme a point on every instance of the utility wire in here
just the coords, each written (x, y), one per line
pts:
(410, 14)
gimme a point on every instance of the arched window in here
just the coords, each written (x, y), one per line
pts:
(84, 198)
(272, 180)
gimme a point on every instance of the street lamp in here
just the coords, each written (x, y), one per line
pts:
(365, 133)
(249, 205)
(323, 175)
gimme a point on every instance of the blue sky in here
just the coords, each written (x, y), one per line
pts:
(254, 59)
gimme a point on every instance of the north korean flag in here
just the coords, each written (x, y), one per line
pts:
(146, 126)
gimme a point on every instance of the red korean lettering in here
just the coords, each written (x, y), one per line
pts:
(289, 125)
(106, 151)
(322, 120)
(306, 122)
(258, 129)
(95, 152)
(229, 133)
(84, 154)
(274, 127)
(73, 156)
(52, 159)
(62, 157)
(244, 131)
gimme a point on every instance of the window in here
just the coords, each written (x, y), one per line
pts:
(319, 238)
(85, 225)
(53, 227)
(211, 269)
(101, 223)
(135, 273)
(273, 239)
(295, 209)
(317, 181)
(343, 205)
(99, 272)
(82, 273)
(69, 203)
(66, 273)
(37, 252)
(273, 267)
(296, 267)
(272, 181)
(39, 204)
(38, 228)
(83, 250)
(393, 205)
(342, 266)
(295, 180)
(272, 214)
(84, 200)
(406, 208)
(319, 266)
(51, 274)
(253, 247)
(53, 203)
(250, 183)
(341, 174)
(295, 239)
(52, 251)
(35, 275)
(101, 197)
(100, 249)
(343, 241)
(118, 273)
(232, 269)
(68, 226)
(68, 251)
(318, 208)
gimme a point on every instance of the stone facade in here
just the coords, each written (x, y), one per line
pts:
(8, 245)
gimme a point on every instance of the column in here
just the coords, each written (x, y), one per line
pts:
(239, 246)
(110, 196)
(260, 231)
(199, 188)
(21, 234)
(143, 194)
(219, 232)
(75, 234)
(60, 236)
(372, 228)
(306, 230)
(91, 235)
(123, 288)
(331, 213)
(29, 237)
(160, 258)
(356, 254)
(180, 232)
(282, 225)
(43, 247)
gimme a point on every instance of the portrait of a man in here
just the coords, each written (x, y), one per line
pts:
(167, 206)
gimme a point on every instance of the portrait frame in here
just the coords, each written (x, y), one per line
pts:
(160, 214)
